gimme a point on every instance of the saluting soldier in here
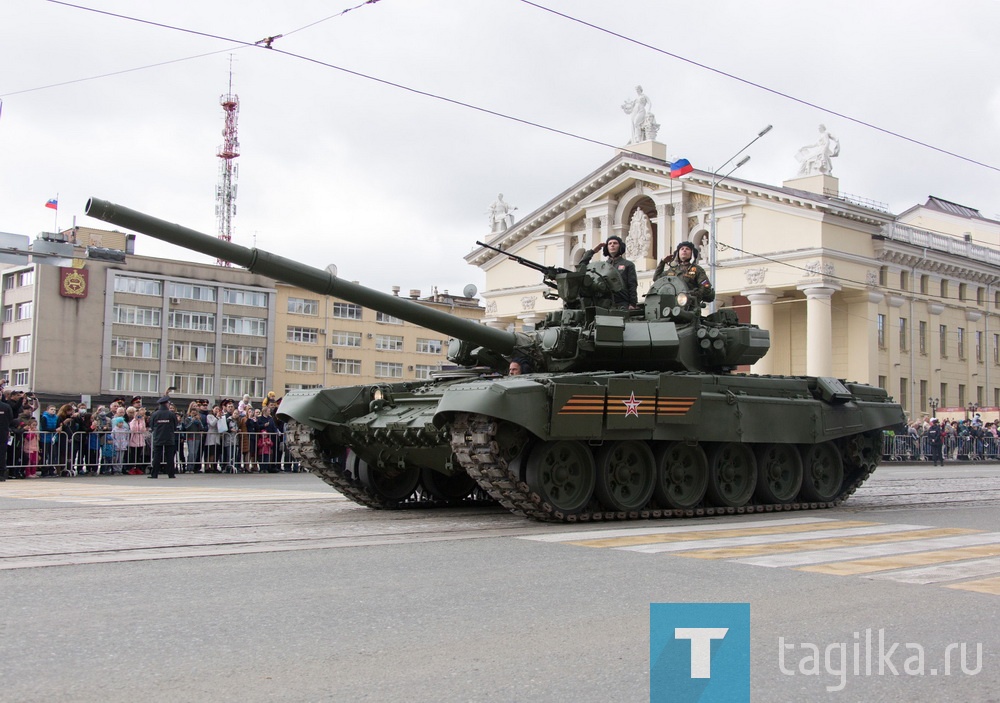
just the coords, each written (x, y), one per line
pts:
(683, 264)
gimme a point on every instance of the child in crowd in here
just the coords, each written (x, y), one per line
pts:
(31, 449)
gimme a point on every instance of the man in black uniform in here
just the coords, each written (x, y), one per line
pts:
(163, 424)
(614, 249)
(6, 420)
(936, 435)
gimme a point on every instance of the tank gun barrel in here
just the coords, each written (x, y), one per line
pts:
(312, 279)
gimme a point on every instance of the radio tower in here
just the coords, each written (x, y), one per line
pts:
(225, 191)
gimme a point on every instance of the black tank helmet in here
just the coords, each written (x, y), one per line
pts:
(621, 245)
(689, 245)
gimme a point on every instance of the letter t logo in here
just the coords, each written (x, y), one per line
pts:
(701, 647)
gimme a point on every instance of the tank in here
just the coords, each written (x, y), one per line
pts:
(627, 414)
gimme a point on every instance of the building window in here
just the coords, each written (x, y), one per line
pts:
(424, 371)
(429, 346)
(944, 394)
(243, 356)
(191, 351)
(22, 344)
(340, 338)
(347, 311)
(8, 313)
(882, 382)
(996, 349)
(252, 326)
(245, 297)
(961, 342)
(135, 315)
(296, 362)
(980, 392)
(192, 383)
(944, 289)
(903, 388)
(387, 319)
(943, 331)
(387, 342)
(881, 331)
(961, 394)
(135, 348)
(24, 311)
(904, 280)
(963, 291)
(903, 335)
(139, 286)
(979, 347)
(883, 276)
(26, 278)
(303, 306)
(20, 377)
(306, 335)
(192, 291)
(237, 386)
(347, 367)
(301, 386)
(922, 337)
(183, 320)
(135, 381)
(923, 395)
(925, 284)
(9, 282)
(388, 369)
(980, 296)
(7, 345)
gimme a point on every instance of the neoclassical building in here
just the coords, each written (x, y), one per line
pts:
(910, 302)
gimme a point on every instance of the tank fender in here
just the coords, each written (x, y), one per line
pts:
(518, 399)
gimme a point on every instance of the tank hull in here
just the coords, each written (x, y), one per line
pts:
(598, 446)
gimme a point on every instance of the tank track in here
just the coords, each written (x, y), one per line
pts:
(473, 439)
(305, 448)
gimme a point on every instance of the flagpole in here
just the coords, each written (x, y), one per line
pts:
(56, 222)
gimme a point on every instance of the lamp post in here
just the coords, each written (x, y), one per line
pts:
(972, 408)
(934, 403)
(715, 182)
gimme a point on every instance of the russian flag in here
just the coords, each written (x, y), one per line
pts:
(679, 167)
(53, 204)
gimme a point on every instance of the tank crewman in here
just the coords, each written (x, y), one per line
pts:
(614, 251)
(936, 435)
(683, 264)
(519, 365)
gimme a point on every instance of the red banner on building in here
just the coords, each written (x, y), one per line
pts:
(72, 282)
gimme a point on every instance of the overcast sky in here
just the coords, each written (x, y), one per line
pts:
(394, 186)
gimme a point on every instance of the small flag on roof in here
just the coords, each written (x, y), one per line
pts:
(680, 167)
(53, 204)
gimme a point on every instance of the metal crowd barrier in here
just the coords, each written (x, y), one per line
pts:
(92, 453)
(907, 448)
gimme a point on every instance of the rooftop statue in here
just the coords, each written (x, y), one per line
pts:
(816, 158)
(501, 215)
(644, 127)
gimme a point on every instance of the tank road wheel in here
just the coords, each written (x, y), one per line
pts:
(779, 473)
(392, 487)
(451, 488)
(626, 474)
(824, 473)
(732, 474)
(562, 473)
(681, 475)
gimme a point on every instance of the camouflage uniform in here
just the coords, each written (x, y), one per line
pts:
(693, 274)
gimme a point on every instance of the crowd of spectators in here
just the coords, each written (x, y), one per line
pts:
(969, 439)
(73, 439)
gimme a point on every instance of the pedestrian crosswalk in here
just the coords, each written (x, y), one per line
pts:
(952, 557)
(156, 492)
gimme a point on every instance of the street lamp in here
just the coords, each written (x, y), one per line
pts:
(972, 408)
(934, 403)
(715, 182)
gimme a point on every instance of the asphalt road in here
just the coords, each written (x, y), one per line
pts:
(274, 588)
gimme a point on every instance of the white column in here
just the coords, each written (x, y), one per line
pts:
(819, 328)
(762, 315)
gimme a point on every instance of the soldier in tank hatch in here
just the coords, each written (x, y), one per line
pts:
(683, 264)
(614, 250)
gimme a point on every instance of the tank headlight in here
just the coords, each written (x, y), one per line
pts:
(682, 299)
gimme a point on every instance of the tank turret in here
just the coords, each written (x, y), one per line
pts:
(666, 333)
